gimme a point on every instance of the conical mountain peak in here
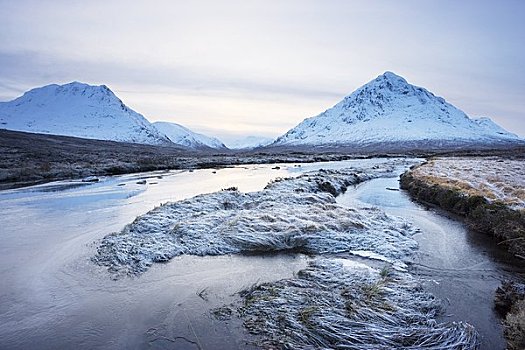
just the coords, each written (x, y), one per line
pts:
(392, 77)
(387, 110)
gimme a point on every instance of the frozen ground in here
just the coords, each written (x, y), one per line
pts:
(54, 296)
(336, 302)
(495, 178)
(295, 214)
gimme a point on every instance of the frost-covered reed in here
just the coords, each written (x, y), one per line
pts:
(336, 304)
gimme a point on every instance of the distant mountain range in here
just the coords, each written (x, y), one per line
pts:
(250, 142)
(388, 111)
(79, 110)
(385, 112)
(183, 136)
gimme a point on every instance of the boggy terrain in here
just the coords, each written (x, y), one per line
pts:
(337, 301)
(489, 192)
(29, 159)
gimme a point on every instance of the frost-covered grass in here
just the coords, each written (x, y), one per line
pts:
(340, 304)
(297, 214)
(488, 191)
(515, 326)
(335, 303)
(494, 178)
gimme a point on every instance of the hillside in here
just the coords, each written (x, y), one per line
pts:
(78, 110)
(389, 110)
(185, 137)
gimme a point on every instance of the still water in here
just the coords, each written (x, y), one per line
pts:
(459, 266)
(53, 297)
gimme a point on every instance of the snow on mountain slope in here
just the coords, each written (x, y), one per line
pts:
(489, 125)
(250, 142)
(183, 136)
(388, 109)
(78, 110)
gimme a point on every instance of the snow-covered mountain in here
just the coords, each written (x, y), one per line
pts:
(389, 110)
(183, 136)
(489, 125)
(78, 110)
(249, 142)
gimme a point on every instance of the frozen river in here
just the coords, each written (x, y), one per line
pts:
(459, 266)
(52, 296)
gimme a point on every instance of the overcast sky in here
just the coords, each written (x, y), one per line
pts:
(229, 68)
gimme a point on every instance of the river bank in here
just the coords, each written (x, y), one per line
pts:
(30, 159)
(488, 193)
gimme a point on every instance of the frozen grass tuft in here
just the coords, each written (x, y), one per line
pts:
(279, 218)
(336, 305)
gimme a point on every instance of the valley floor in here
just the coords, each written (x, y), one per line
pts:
(154, 260)
(335, 302)
(29, 159)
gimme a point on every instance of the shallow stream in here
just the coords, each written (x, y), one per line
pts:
(52, 296)
(459, 266)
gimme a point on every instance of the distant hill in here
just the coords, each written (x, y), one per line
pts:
(185, 137)
(79, 110)
(250, 142)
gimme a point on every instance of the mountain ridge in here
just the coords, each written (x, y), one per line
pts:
(389, 109)
(181, 135)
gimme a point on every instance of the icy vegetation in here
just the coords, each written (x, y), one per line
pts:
(390, 110)
(297, 214)
(336, 302)
(183, 136)
(494, 178)
(340, 304)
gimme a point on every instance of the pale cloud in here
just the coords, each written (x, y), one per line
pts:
(260, 67)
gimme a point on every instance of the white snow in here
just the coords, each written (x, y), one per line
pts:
(388, 109)
(78, 110)
(183, 136)
(488, 124)
(250, 142)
